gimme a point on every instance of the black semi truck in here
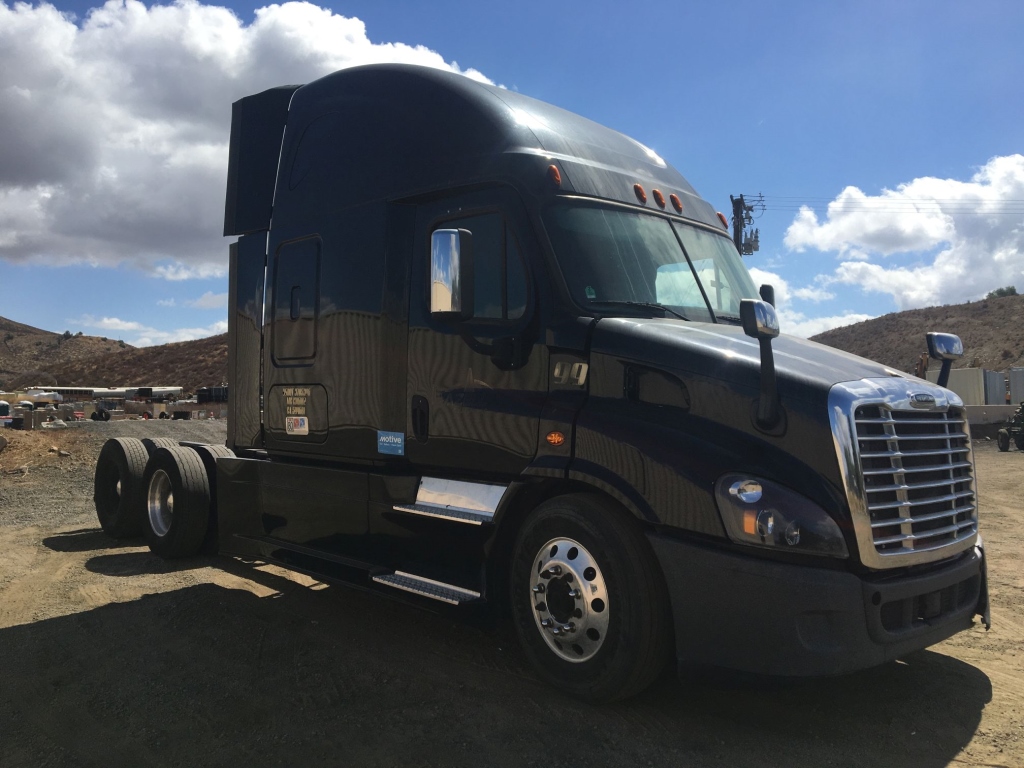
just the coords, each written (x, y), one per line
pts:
(491, 357)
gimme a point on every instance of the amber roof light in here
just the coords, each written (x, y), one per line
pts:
(658, 197)
(676, 203)
(555, 175)
(640, 194)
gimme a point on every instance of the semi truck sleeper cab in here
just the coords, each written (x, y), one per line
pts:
(489, 356)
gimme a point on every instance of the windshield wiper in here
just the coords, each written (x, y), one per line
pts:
(732, 318)
(645, 305)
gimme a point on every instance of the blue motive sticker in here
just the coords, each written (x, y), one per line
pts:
(391, 442)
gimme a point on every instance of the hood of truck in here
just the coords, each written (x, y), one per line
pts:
(723, 352)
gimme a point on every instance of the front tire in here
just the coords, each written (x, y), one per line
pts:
(588, 599)
(177, 502)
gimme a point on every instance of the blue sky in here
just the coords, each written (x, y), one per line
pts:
(886, 137)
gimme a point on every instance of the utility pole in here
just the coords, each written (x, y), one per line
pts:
(747, 240)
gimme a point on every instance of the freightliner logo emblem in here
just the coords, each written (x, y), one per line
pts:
(922, 400)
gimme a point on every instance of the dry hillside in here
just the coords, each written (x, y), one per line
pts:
(27, 353)
(188, 364)
(992, 331)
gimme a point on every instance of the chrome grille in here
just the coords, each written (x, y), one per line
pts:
(907, 469)
(918, 480)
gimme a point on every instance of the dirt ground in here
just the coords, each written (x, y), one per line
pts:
(110, 656)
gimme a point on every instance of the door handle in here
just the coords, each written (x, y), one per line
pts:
(420, 418)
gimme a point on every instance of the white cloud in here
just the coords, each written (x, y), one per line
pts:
(108, 323)
(210, 300)
(792, 320)
(145, 336)
(965, 238)
(166, 303)
(115, 130)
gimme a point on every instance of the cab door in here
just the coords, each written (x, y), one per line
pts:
(477, 386)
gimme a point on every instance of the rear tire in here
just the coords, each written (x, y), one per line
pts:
(208, 454)
(117, 487)
(608, 627)
(1003, 440)
(177, 502)
(152, 443)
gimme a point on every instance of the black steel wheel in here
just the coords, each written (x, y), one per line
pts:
(163, 415)
(177, 502)
(1003, 440)
(588, 599)
(117, 486)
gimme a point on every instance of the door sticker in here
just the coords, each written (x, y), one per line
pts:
(296, 425)
(392, 443)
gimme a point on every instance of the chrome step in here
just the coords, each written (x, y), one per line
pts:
(455, 500)
(420, 585)
(472, 517)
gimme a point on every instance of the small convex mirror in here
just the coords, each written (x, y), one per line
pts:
(759, 319)
(945, 346)
(451, 273)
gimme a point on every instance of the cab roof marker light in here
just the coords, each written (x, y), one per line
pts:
(555, 175)
(640, 194)
(721, 218)
(676, 202)
(658, 197)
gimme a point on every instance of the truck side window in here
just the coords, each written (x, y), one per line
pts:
(499, 275)
(296, 287)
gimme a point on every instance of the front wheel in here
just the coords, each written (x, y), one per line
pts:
(588, 599)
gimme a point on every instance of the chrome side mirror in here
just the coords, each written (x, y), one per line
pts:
(760, 322)
(451, 273)
(946, 347)
(759, 319)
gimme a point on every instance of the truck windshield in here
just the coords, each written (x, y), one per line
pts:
(612, 258)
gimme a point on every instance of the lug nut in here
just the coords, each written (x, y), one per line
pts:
(554, 570)
(567, 628)
(539, 589)
(546, 623)
(575, 594)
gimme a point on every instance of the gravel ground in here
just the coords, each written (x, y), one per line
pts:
(111, 656)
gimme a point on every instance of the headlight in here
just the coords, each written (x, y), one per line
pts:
(764, 514)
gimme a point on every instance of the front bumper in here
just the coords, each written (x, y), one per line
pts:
(760, 616)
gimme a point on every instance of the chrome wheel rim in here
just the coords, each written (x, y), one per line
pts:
(570, 600)
(160, 503)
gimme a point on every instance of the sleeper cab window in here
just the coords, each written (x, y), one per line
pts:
(296, 289)
(499, 275)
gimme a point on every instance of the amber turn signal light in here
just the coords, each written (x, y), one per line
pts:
(555, 438)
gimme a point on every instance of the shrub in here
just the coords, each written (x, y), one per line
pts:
(999, 293)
